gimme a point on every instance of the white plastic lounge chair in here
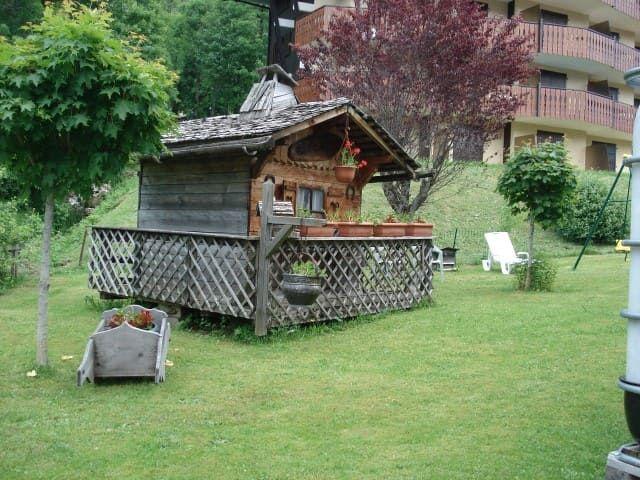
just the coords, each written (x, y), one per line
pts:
(501, 251)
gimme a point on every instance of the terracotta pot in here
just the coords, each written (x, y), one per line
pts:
(419, 230)
(345, 174)
(390, 230)
(328, 231)
(352, 229)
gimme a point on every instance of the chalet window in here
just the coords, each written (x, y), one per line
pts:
(551, 79)
(553, 18)
(551, 137)
(310, 199)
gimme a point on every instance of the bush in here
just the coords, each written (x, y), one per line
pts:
(16, 227)
(582, 213)
(543, 275)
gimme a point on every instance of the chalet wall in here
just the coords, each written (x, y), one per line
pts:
(199, 195)
(290, 176)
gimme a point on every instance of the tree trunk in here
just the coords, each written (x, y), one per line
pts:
(42, 330)
(398, 195)
(527, 281)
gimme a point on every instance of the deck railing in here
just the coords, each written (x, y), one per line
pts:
(577, 105)
(217, 273)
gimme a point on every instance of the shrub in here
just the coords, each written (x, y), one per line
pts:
(582, 213)
(16, 227)
(543, 275)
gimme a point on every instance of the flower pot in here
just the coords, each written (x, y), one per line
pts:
(419, 230)
(390, 230)
(345, 174)
(300, 290)
(126, 351)
(352, 229)
(327, 231)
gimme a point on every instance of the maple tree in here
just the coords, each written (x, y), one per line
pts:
(435, 73)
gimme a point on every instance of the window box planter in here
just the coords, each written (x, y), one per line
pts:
(417, 229)
(126, 351)
(353, 229)
(327, 231)
(390, 230)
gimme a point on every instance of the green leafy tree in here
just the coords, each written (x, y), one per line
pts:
(539, 182)
(216, 46)
(15, 13)
(75, 103)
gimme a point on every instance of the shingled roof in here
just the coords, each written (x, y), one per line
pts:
(226, 128)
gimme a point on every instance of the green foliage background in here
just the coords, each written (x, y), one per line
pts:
(214, 45)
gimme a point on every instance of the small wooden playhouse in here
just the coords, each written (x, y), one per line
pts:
(202, 241)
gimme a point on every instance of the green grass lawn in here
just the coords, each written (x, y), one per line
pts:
(487, 383)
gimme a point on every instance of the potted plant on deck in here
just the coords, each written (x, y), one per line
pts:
(303, 285)
(328, 230)
(353, 225)
(419, 227)
(349, 164)
(390, 227)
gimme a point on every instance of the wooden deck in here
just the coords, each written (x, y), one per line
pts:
(218, 273)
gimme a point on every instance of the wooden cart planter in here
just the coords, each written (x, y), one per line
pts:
(126, 351)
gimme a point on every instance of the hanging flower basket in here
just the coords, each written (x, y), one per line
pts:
(345, 173)
(303, 285)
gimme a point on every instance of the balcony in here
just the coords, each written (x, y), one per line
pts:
(308, 28)
(581, 43)
(576, 106)
(576, 42)
(628, 7)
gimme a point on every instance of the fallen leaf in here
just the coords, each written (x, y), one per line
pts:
(67, 357)
(176, 349)
(168, 363)
(32, 373)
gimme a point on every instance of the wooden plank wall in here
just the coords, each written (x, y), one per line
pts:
(289, 176)
(201, 194)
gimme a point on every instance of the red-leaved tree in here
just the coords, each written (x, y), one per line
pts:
(435, 73)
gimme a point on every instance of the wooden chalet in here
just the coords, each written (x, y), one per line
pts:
(203, 243)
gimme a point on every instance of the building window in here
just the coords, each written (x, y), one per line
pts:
(483, 6)
(550, 137)
(636, 102)
(310, 199)
(553, 18)
(614, 93)
(549, 79)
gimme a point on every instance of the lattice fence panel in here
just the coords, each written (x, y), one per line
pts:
(205, 272)
(362, 277)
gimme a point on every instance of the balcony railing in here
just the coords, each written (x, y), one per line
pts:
(580, 42)
(574, 42)
(576, 105)
(628, 7)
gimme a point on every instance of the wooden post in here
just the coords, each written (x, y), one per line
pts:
(262, 270)
(84, 241)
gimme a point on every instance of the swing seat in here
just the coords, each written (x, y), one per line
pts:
(621, 248)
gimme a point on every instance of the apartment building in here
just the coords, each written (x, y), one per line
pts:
(582, 48)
